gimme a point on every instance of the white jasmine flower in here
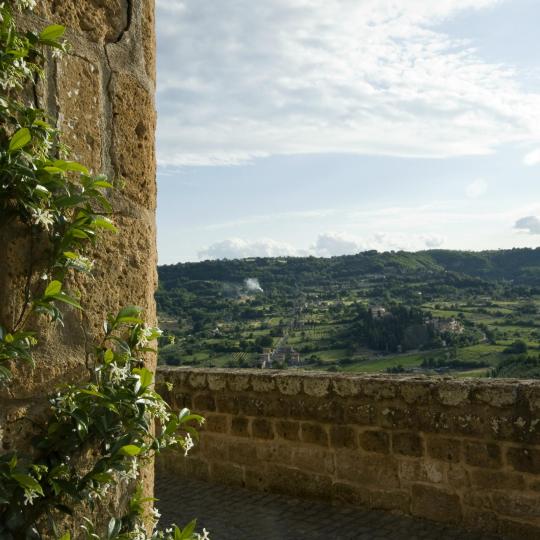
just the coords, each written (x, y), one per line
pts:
(205, 535)
(155, 515)
(188, 444)
(133, 472)
(83, 263)
(147, 333)
(43, 218)
(117, 373)
(27, 4)
(29, 497)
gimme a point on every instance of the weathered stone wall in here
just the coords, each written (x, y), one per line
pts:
(102, 96)
(448, 450)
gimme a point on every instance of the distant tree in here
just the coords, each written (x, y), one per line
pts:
(517, 347)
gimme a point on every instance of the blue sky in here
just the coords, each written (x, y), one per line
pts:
(325, 127)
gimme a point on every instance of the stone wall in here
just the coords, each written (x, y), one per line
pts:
(102, 96)
(459, 451)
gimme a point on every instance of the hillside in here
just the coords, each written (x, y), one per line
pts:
(228, 312)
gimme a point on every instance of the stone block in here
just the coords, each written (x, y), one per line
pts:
(524, 459)
(375, 441)
(238, 383)
(213, 447)
(360, 414)
(313, 459)
(243, 453)
(343, 436)
(516, 504)
(204, 403)
(407, 444)
(313, 433)
(275, 453)
(398, 500)
(311, 408)
(480, 454)
(252, 405)
(290, 481)
(452, 394)
(434, 503)
(217, 423)
(261, 428)
(217, 381)
(227, 404)
(289, 385)
(444, 449)
(373, 470)
(98, 21)
(350, 494)
(80, 110)
(133, 139)
(316, 386)
(263, 383)
(415, 470)
(240, 426)
(287, 429)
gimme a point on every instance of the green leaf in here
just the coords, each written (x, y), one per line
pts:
(130, 450)
(78, 233)
(129, 314)
(145, 375)
(52, 32)
(103, 478)
(28, 482)
(20, 139)
(70, 166)
(53, 288)
(102, 184)
(53, 170)
(108, 357)
(103, 223)
(66, 536)
(187, 533)
(76, 167)
(63, 297)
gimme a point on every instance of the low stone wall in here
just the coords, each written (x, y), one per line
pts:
(459, 451)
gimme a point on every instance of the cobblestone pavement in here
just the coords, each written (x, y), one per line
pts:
(231, 513)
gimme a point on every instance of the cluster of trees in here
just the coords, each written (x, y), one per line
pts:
(400, 329)
(452, 363)
(520, 366)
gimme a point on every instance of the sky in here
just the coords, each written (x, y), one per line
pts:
(329, 127)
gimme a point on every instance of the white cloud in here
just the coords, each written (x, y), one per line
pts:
(328, 244)
(532, 158)
(332, 244)
(240, 80)
(529, 224)
(433, 241)
(476, 189)
(237, 248)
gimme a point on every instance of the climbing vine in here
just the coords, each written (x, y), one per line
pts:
(101, 432)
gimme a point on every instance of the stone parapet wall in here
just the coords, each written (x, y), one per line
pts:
(458, 451)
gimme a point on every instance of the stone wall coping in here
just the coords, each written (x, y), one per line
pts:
(412, 388)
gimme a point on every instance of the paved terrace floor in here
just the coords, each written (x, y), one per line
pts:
(231, 513)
